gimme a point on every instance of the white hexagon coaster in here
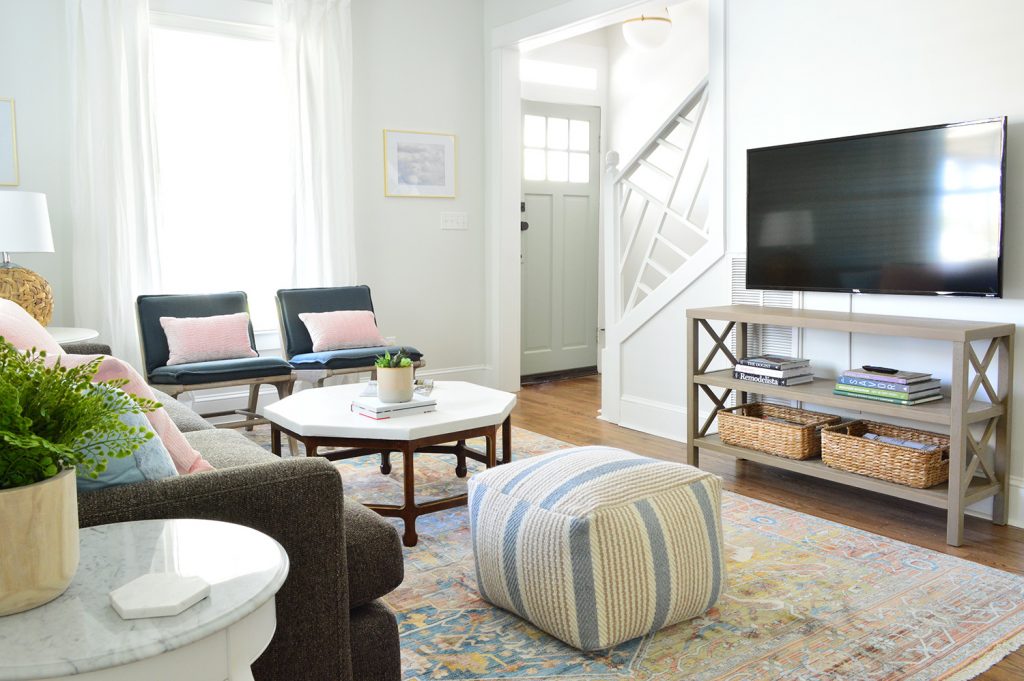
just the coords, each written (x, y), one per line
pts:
(158, 594)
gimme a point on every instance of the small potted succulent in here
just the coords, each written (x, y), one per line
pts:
(394, 377)
(54, 422)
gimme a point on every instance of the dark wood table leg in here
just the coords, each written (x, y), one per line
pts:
(311, 448)
(385, 463)
(409, 511)
(506, 440)
(460, 459)
(275, 440)
(492, 447)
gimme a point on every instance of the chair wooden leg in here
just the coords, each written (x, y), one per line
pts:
(283, 391)
(254, 396)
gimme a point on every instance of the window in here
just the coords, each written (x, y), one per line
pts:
(223, 166)
(556, 149)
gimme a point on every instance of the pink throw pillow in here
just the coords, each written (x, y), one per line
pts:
(204, 339)
(342, 329)
(22, 330)
(186, 460)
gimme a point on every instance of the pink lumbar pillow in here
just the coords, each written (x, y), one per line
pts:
(342, 329)
(204, 339)
(23, 331)
(186, 460)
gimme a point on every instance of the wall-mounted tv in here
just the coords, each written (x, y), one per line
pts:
(916, 211)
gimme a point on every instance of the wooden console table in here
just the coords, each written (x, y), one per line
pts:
(978, 465)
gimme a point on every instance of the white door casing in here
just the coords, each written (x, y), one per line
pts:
(561, 190)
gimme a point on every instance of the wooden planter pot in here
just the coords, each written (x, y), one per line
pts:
(39, 536)
(395, 385)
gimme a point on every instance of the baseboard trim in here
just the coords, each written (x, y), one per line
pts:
(226, 399)
(663, 419)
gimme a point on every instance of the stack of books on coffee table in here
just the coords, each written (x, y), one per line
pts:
(897, 387)
(373, 408)
(773, 370)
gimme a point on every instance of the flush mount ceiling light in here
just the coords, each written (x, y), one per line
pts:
(647, 32)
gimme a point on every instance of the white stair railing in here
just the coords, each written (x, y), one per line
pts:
(658, 236)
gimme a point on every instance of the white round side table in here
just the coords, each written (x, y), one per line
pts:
(79, 636)
(68, 334)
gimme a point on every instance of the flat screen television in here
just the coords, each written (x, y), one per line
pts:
(916, 211)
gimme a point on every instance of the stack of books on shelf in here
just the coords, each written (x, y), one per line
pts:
(773, 370)
(897, 387)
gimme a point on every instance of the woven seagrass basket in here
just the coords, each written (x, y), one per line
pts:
(843, 446)
(774, 429)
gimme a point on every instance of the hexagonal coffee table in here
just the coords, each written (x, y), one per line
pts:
(323, 418)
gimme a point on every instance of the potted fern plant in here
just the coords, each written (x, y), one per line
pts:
(54, 423)
(394, 377)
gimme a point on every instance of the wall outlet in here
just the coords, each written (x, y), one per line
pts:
(458, 221)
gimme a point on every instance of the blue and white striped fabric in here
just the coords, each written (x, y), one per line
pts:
(596, 545)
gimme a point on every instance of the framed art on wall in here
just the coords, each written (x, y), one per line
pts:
(8, 144)
(419, 164)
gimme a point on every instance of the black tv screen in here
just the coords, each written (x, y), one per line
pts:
(911, 211)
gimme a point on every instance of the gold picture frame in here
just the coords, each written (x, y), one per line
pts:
(420, 164)
(10, 175)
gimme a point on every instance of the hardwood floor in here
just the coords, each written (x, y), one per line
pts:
(567, 410)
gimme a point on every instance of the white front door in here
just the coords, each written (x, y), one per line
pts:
(561, 192)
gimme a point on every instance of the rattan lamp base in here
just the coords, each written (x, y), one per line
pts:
(27, 289)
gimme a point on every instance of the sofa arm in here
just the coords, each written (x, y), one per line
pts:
(86, 348)
(299, 503)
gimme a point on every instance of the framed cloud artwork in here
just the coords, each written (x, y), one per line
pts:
(419, 164)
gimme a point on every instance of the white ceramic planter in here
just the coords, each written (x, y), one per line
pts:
(395, 385)
(39, 536)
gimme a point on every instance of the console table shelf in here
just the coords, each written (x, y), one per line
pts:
(979, 460)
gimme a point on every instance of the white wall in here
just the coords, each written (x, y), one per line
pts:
(804, 69)
(419, 66)
(34, 71)
(646, 86)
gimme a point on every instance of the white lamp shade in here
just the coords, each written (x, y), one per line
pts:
(647, 33)
(24, 223)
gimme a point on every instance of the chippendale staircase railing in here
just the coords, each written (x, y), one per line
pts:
(658, 238)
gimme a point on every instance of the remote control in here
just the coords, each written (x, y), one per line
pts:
(880, 370)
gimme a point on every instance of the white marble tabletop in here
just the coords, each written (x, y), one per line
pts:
(80, 632)
(326, 412)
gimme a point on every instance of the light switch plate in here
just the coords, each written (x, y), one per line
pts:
(458, 221)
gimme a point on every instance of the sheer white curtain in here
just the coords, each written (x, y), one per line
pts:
(113, 184)
(316, 49)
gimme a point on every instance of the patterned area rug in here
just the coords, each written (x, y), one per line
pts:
(806, 599)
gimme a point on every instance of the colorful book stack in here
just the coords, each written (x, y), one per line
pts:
(901, 387)
(773, 370)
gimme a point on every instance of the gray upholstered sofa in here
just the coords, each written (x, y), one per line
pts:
(331, 623)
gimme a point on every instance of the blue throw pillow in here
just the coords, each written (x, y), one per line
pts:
(151, 461)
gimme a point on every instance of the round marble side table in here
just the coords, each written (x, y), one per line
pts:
(80, 637)
(68, 334)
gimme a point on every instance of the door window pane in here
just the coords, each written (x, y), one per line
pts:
(579, 135)
(534, 131)
(534, 164)
(558, 133)
(579, 167)
(558, 166)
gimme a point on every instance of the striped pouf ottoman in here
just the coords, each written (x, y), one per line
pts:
(596, 545)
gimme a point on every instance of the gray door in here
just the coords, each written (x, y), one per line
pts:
(561, 191)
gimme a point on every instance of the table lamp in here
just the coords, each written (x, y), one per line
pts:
(25, 228)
